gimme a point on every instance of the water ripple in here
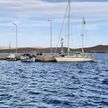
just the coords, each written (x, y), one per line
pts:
(54, 85)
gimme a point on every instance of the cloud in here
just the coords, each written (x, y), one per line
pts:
(37, 12)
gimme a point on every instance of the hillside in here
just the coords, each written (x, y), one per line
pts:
(98, 48)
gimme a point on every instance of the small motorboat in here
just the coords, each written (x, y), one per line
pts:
(27, 58)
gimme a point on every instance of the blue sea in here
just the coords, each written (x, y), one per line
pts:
(54, 85)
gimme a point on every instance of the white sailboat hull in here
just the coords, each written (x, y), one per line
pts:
(73, 59)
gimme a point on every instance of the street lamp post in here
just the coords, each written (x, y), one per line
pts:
(16, 36)
(50, 36)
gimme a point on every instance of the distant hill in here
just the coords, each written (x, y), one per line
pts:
(98, 48)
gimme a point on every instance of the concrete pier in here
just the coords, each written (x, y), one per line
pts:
(45, 58)
(39, 58)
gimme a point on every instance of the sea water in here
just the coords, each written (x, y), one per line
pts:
(54, 85)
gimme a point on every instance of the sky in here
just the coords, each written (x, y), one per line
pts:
(32, 18)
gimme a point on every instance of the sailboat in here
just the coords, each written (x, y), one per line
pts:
(82, 57)
(10, 57)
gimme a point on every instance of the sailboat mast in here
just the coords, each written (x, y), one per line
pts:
(9, 48)
(68, 26)
(83, 23)
(50, 36)
(62, 46)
